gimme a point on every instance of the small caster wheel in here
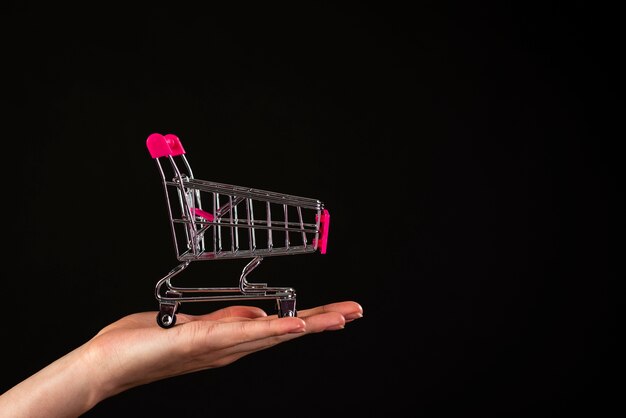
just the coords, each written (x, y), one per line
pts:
(286, 307)
(166, 320)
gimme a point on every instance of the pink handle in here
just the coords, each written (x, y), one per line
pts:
(164, 145)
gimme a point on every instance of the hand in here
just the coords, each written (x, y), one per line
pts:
(143, 352)
(134, 351)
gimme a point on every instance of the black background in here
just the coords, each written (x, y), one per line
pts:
(460, 149)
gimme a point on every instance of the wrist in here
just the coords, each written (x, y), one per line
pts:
(98, 362)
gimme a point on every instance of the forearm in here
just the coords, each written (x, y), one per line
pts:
(67, 387)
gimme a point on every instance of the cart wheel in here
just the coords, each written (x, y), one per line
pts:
(166, 320)
(286, 307)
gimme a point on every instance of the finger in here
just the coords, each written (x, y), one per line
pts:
(251, 312)
(326, 321)
(349, 309)
(317, 323)
(218, 335)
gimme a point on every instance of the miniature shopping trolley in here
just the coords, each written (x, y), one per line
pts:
(214, 221)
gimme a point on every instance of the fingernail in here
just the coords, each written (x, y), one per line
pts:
(353, 316)
(335, 327)
(298, 329)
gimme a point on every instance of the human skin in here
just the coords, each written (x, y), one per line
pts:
(135, 351)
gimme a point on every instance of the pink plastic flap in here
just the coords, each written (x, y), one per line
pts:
(203, 214)
(324, 227)
(164, 145)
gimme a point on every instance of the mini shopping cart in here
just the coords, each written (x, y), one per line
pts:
(215, 221)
